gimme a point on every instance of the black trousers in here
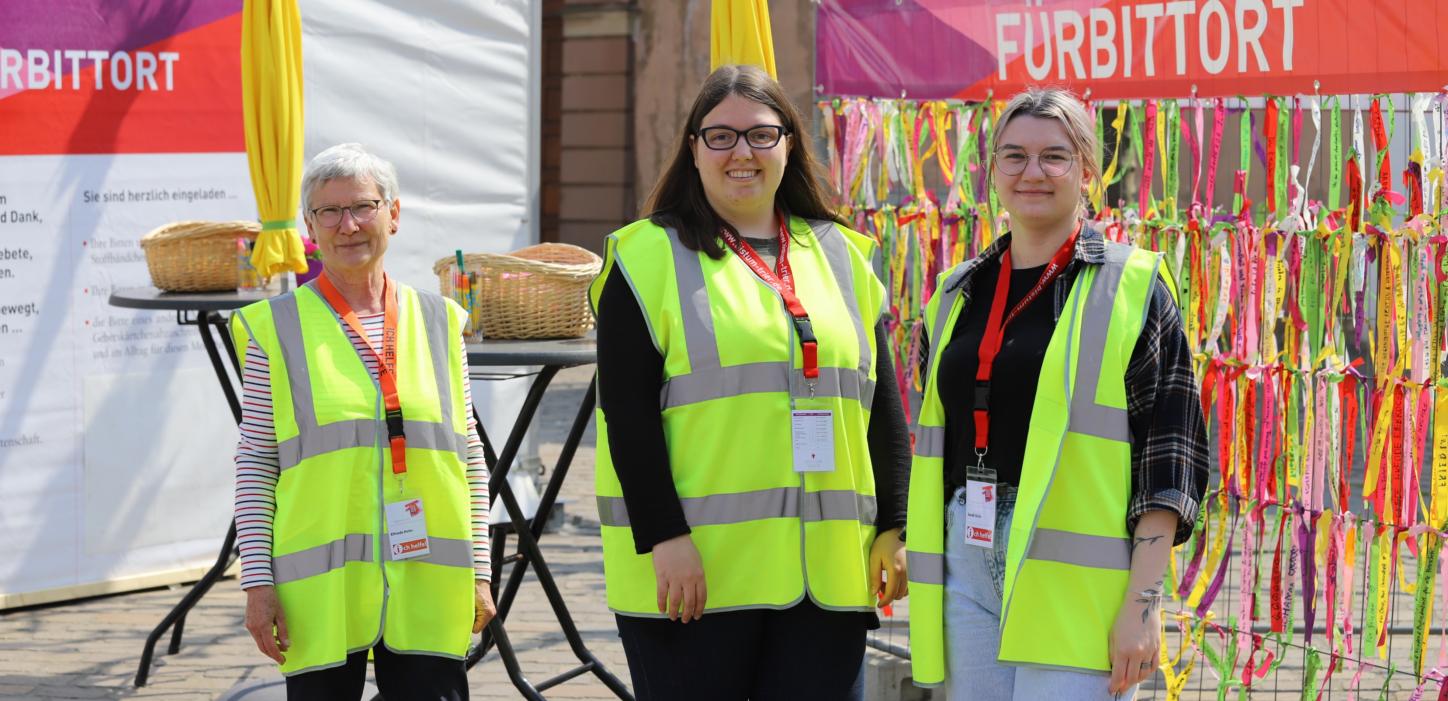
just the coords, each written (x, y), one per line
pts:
(803, 653)
(399, 678)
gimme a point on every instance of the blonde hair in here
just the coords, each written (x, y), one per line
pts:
(1066, 108)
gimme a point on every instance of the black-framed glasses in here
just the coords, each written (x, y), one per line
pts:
(758, 136)
(331, 215)
(1054, 163)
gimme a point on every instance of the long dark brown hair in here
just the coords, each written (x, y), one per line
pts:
(678, 199)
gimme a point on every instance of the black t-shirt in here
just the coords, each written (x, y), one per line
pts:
(1014, 375)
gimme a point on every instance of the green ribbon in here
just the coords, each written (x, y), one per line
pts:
(1284, 151)
(1173, 153)
(1244, 154)
(964, 137)
(1334, 161)
(1309, 674)
(1423, 598)
(1292, 459)
(1388, 681)
(988, 123)
(278, 224)
(1140, 150)
(1370, 622)
(1309, 299)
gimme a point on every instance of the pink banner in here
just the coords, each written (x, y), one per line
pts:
(974, 49)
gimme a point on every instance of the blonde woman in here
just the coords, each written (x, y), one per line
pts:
(1061, 449)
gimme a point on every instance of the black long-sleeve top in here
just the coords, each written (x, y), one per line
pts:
(1169, 450)
(631, 372)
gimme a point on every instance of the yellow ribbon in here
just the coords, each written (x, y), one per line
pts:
(1098, 189)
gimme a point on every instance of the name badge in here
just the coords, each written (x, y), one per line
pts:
(406, 530)
(980, 513)
(812, 431)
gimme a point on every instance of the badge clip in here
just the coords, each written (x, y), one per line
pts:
(979, 471)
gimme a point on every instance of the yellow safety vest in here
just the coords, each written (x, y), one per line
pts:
(1068, 556)
(767, 534)
(338, 587)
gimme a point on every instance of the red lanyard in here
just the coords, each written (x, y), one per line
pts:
(995, 328)
(783, 283)
(386, 359)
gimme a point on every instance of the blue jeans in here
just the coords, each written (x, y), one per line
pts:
(974, 580)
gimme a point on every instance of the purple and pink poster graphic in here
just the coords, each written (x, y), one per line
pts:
(99, 76)
(978, 49)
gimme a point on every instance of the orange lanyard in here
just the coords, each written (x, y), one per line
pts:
(386, 359)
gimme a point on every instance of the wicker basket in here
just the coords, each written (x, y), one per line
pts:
(196, 256)
(537, 292)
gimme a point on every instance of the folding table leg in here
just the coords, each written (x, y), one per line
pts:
(529, 553)
(177, 616)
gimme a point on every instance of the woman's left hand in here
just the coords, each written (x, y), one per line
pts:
(1135, 641)
(483, 609)
(887, 562)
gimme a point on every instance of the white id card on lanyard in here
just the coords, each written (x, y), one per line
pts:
(406, 530)
(980, 513)
(812, 432)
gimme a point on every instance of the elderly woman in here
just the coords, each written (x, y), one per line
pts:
(361, 491)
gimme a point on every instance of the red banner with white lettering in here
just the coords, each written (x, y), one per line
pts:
(975, 49)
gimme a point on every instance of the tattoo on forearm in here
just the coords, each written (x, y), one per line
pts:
(1150, 598)
(1145, 541)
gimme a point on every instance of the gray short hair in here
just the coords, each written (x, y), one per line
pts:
(348, 161)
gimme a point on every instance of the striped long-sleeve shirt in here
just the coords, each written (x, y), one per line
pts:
(257, 465)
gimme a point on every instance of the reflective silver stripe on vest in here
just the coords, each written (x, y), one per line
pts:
(832, 242)
(448, 552)
(435, 323)
(288, 323)
(694, 306)
(363, 433)
(1088, 417)
(1088, 369)
(1101, 552)
(741, 507)
(930, 441)
(925, 568)
(313, 439)
(707, 379)
(951, 290)
(736, 380)
(321, 559)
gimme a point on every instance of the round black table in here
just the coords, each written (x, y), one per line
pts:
(152, 298)
(207, 312)
(204, 310)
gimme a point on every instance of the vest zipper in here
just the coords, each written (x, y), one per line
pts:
(803, 548)
(382, 551)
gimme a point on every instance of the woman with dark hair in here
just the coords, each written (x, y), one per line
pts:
(752, 453)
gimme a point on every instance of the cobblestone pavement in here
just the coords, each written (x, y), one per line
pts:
(90, 649)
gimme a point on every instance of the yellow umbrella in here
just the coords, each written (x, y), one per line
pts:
(739, 33)
(271, 88)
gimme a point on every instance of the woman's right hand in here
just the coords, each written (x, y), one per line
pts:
(266, 622)
(680, 575)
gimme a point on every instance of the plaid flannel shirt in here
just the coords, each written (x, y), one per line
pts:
(1169, 448)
